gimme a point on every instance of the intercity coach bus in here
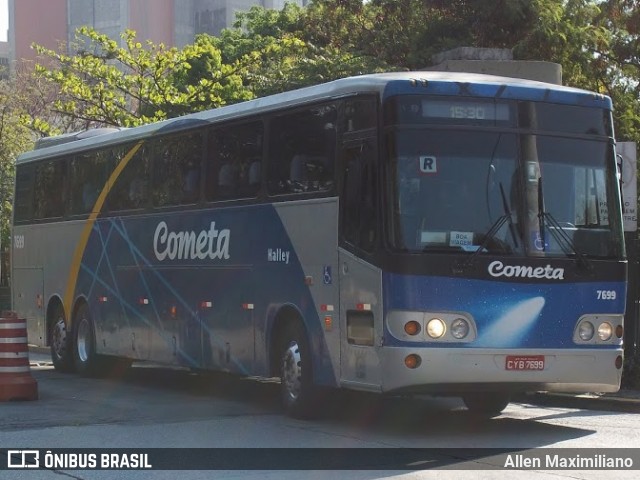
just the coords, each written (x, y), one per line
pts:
(402, 233)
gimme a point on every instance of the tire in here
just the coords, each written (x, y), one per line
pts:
(60, 343)
(297, 391)
(489, 404)
(86, 360)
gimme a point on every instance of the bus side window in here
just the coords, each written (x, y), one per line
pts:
(308, 173)
(227, 180)
(360, 114)
(131, 188)
(359, 197)
(233, 165)
(23, 203)
(255, 170)
(302, 151)
(87, 177)
(49, 189)
(177, 164)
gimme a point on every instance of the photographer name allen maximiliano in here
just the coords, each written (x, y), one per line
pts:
(580, 462)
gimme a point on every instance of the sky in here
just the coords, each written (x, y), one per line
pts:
(4, 20)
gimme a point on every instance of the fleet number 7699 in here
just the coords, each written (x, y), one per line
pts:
(606, 294)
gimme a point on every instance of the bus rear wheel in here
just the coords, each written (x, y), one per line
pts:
(86, 360)
(296, 378)
(60, 343)
(488, 404)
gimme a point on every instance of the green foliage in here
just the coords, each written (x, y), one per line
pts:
(282, 53)
(14, 139)
(108, 84)
(129, 83)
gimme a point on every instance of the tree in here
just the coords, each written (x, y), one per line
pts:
(108, 84)
(597, 42)
(15, 138)
(269, 51)
(282, 55)
(621, 63)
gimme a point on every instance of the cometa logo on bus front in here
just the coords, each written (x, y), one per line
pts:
(499, 269)
(207, 244)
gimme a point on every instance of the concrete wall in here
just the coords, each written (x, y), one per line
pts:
(495, 61)
(532, 70)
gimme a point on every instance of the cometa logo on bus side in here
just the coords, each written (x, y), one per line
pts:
(499, 269)
(189, 245)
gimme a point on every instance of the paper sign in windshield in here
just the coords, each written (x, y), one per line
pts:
(461, 239)
(428, 164)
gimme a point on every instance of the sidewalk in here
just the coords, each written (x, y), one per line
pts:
(625, 400)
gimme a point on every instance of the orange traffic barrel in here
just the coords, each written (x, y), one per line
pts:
(16, 382)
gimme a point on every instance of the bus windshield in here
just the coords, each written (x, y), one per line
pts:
(492, 192)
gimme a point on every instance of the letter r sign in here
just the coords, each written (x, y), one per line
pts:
(428, 164)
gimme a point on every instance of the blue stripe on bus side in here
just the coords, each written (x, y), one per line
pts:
(120, 262)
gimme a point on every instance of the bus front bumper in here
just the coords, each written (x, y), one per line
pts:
(450, 371)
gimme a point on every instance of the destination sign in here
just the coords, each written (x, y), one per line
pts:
(464, 110)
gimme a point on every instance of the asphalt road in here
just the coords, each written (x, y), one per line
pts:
(155, 408)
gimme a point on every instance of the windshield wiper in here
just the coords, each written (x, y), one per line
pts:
(490, 235)
(557, 232)
(507, 213)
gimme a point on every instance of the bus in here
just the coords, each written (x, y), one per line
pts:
(403, 233)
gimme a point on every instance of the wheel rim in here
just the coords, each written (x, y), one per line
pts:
(84, 340)
(292, 371)
(59, 338)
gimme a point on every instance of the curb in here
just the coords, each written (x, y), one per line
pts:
(624, 400)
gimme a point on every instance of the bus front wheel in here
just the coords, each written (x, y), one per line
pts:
(60, 343)
(488, 404)
(296, 378)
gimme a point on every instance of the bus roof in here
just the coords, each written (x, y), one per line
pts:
(384, 84)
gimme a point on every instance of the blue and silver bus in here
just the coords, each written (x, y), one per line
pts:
(409, 233)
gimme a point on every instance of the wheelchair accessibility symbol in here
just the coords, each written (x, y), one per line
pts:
(537, 242)
(327, 278)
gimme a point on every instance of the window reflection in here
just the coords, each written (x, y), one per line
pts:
(449, 188)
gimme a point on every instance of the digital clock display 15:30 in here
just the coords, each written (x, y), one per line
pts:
(463, 110)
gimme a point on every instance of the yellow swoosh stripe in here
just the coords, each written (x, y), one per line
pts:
(88, 227)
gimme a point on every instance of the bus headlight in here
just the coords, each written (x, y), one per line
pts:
(586, 331)
(599, 329)
(459, 328)
(436, 328)
(605, 331)
(441, 327)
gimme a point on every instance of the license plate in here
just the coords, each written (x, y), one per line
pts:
(524, 362)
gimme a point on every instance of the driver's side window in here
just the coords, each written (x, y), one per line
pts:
(358, 216)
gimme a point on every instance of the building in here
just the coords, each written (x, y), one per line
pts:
(52, 23)
(4, 60)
